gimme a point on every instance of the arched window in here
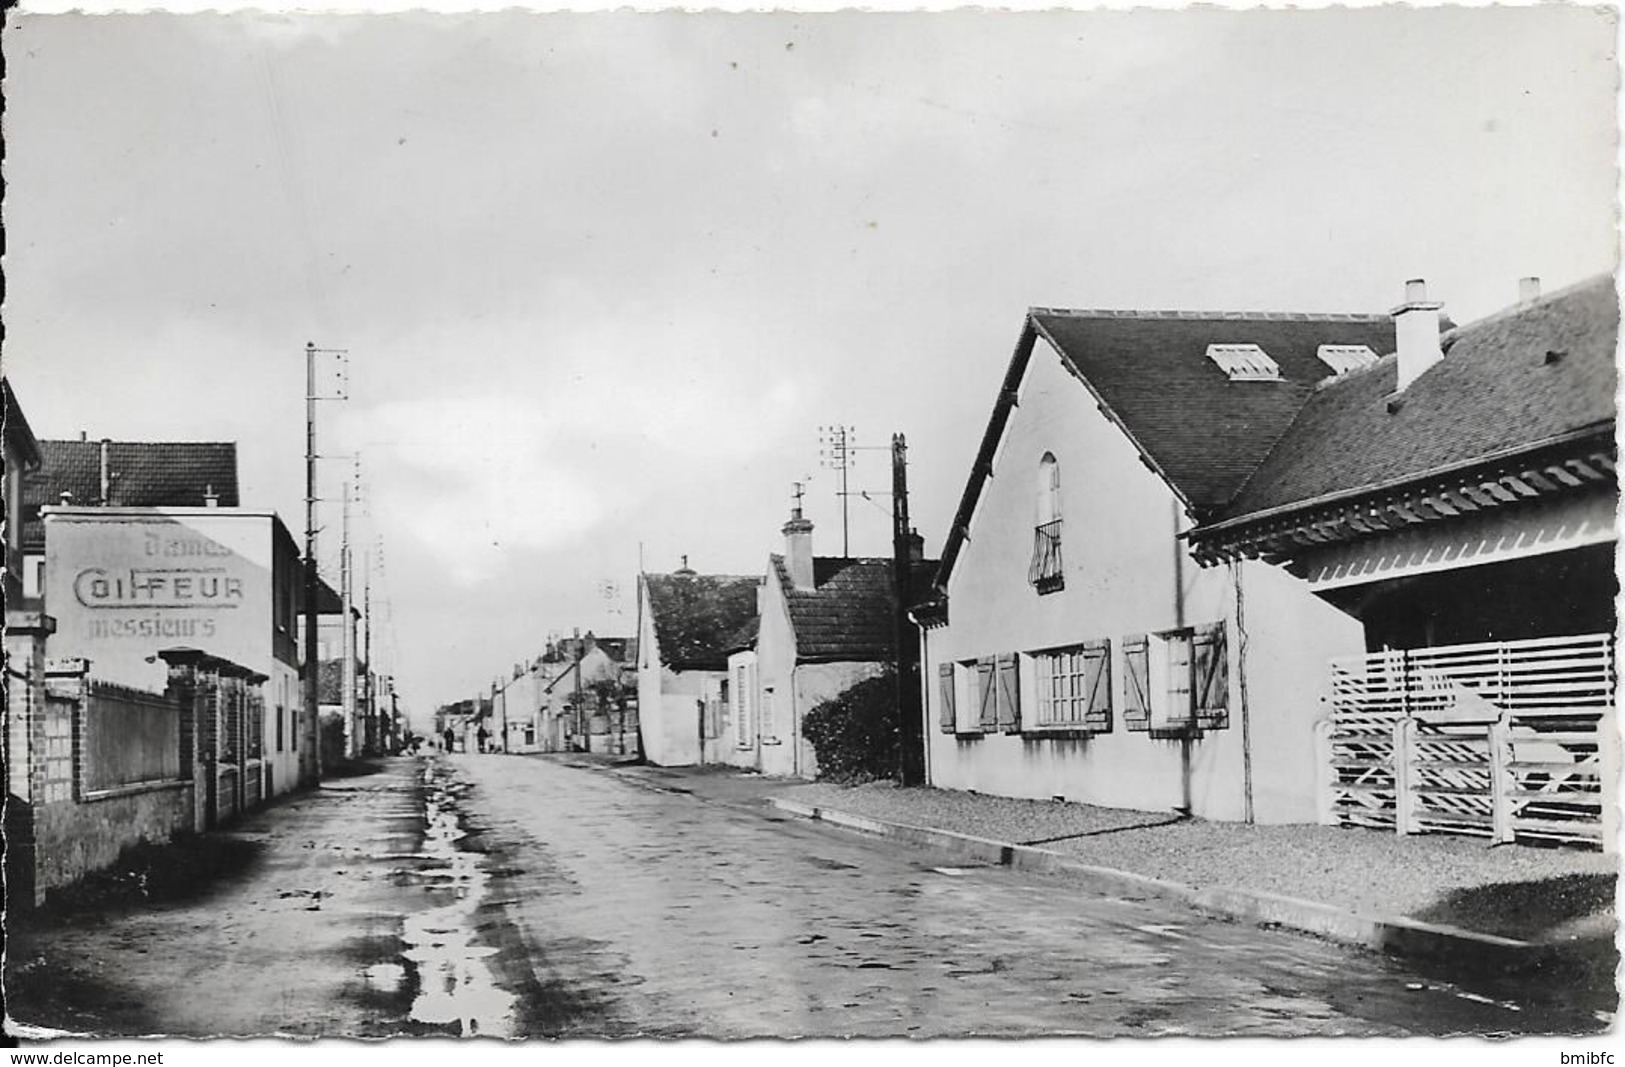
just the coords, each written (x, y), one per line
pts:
(1049, 489)
(1045, 571)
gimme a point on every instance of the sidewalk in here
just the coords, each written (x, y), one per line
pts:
(1421, 896)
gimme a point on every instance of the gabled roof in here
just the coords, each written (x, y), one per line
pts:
(1525, 396)
(143, 474)
(848, 615)
(1149, 372)
(694, 615)
(1495, 390)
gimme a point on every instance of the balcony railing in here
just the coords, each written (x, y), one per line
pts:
(1045, 572)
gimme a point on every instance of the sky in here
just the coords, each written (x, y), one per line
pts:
(601, 278)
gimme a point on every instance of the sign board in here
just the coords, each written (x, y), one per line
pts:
(124, 583)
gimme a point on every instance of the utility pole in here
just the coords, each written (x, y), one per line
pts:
(911, 737)
(836, 454)
(371, 734)
(347, 642)
(313, 719)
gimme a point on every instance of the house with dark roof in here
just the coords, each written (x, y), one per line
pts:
(137, 474)
(1457, 499)
(687, 623)
(1074, 648)
(825, 624)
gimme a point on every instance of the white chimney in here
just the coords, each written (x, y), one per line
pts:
(1528, 289)
(107, 474)
(798, 555)
(1416, 333)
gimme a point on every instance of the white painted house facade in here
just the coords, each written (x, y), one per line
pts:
(1075, 649)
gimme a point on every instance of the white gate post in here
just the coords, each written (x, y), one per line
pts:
(1502, 780)
(1404, 798)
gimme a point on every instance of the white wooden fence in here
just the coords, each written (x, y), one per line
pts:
(1511, 741)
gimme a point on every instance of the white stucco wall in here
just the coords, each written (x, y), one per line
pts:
(776, 717)
(1119, 551)
(668, 701)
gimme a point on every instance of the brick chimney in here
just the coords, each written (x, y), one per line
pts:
(798, 555)
(916, 546)
(1416, 333)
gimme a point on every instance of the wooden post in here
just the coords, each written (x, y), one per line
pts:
(1404, 799)
(1502, 780)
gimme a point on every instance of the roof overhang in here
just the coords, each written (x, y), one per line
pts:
(1577, 462)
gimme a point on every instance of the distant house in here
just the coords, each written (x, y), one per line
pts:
(1074, 648)
(1457, 499)
(826, 623)
(135, 474)
(688, 622)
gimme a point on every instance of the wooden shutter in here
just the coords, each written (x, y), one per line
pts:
(1210, 677)
(1009, 686)
(945, 684)
(1097, 680)
(1181, 699)
(1136, 683)
(987, 700)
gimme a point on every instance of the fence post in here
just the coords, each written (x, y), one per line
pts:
(1502, 780)
(1404, 798)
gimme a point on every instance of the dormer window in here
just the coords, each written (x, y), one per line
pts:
(1044, 573)
(1344, 358)
(1244, 363)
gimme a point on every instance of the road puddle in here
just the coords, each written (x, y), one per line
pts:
(455, 982)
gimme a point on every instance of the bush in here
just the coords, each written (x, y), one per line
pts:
(855, 734)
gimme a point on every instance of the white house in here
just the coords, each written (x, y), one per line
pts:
(1075, 649)
(688, 622)
(826, 623)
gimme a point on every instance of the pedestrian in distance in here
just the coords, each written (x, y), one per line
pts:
(451, 739)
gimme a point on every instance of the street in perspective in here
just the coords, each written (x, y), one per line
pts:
(661, 525)
(554, 897)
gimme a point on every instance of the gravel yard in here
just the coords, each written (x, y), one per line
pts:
(1518, 891)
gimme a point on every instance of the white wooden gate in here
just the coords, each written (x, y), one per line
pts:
(1505, 740)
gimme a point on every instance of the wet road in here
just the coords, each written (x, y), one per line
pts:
(523, 897)
(654, 913)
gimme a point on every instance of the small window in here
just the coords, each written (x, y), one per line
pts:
(1177, 681)
(1244, 363)
(1045, 572)
(1073, 688)
(1344, 358)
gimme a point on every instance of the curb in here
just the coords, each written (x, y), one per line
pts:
(1392, 935)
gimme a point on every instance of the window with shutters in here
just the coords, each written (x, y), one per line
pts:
(1176, 683)
(741, 705)
(1044, 573)
(1073, 688)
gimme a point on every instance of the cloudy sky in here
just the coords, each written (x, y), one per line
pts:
(602, 277)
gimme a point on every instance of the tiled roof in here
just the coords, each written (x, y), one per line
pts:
(744, 637)
(1204, 432)
(847, 616)
(143, 474)
(1149, 372)
(694, 615)
(1495, 391)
